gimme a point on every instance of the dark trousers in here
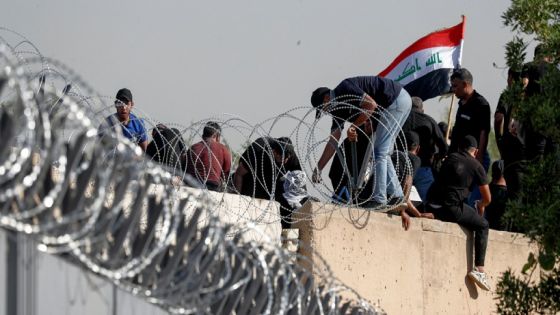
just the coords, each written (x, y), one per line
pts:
(513, 175)
(469, 218)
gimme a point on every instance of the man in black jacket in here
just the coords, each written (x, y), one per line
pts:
(432, 141)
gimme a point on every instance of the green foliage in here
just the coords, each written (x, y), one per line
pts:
(493, 147)
(519, 296)
(515, 295)
(537, 211)
(534, 17)
(515, 53)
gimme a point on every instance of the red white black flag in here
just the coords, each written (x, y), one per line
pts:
(424, 67)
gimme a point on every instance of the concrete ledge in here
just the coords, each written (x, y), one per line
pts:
(419, 271)
(235, 209)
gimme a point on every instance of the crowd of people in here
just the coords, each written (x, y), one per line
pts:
(268, 168)
(394, 157)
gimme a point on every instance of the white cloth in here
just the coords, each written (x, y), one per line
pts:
(414, 195)
(294, 188)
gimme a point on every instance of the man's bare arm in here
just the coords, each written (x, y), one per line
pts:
(498, 125)
(499, 129)
(143, 145)
(368, 106)
(405, 219)
(328, 152)
(486, 198)
(406, 189)
(482, 145)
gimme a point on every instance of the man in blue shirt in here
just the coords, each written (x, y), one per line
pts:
(354, 100)
(132, 127)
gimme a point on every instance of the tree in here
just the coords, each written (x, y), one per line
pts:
(537, 211)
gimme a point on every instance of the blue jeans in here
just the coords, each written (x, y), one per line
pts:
(390, 123)
(423, 180)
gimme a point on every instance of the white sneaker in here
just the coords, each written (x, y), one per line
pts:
(480, 279)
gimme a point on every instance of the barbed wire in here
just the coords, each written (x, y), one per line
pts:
(95, 199)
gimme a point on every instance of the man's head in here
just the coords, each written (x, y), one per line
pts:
(158, 129)
(417, 104)
(123, 104)
(412, 142)
(541, 54)
(469, 145)
(282, 149)
(539, 50)
(461, 83)
(320, 97)
(212, 130)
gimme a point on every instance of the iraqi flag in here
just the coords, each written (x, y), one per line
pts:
(424, 67)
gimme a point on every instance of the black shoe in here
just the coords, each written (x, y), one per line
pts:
(395, 201)
(374, 205)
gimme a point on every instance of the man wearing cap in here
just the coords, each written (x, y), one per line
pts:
(432, 141)
(132, 127)
(354, 100)
(447, 200)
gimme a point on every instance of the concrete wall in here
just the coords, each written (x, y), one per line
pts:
(63, 288)
(419, 271)
(47, 284)
(235, 209)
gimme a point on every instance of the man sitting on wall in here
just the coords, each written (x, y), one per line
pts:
(209, 161)
(447, 200)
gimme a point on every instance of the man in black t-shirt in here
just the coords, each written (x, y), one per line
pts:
(354, 100)
(473, 119)
(446, 200)
(473, 115)
(534, 71)
(504, 115)
(536, 143)
(510, 137)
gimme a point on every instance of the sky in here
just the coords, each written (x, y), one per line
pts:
(186, 61)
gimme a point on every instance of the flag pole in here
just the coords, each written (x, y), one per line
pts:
(449, 117)
(463, 20)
